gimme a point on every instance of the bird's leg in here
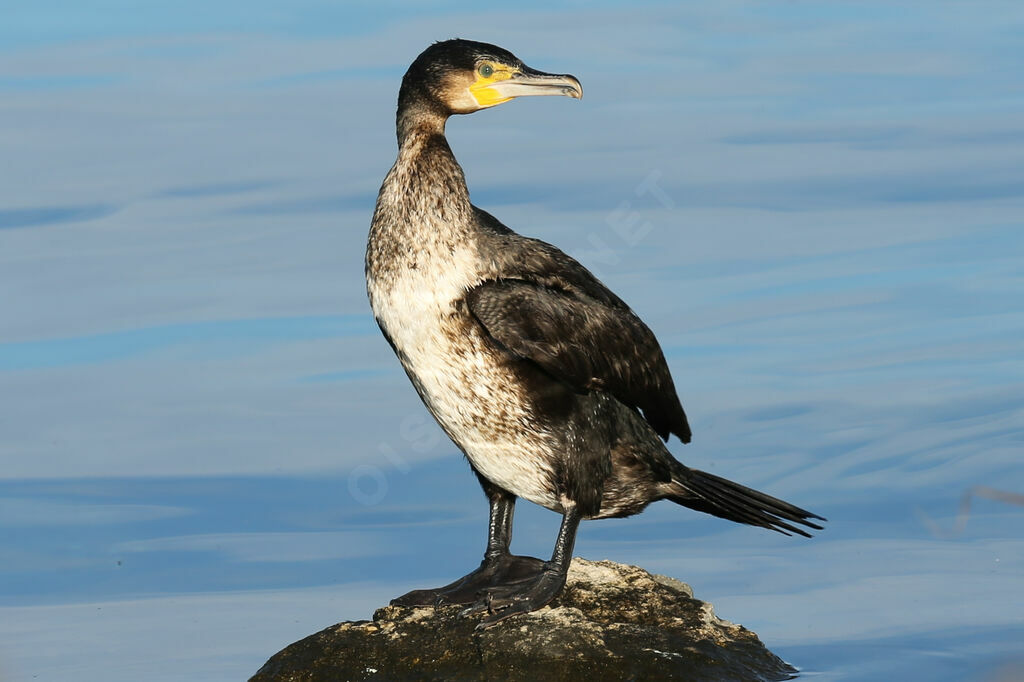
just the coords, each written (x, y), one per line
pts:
(525, 595)
(499, 566)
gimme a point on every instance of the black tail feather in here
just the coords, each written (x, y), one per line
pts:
(721, 497)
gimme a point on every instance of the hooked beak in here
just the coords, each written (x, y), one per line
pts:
(528, 83)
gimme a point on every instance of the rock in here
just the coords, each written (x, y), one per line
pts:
(611, 622)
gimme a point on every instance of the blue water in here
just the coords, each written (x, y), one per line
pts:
(209, 452)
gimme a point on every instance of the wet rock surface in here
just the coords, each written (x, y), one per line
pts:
(611, 622)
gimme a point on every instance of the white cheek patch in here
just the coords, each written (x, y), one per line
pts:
(463, 101)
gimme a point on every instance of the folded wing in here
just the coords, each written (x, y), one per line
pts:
(584, 336)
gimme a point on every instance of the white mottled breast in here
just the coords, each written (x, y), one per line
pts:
(466, 382)
(474, 396)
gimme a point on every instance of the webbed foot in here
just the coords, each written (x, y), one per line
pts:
(517, 597)
(494, 573)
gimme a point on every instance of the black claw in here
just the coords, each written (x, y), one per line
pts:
(495, 618)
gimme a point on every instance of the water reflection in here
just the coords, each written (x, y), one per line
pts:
(869, 598)
(52, 215)
(964, 511)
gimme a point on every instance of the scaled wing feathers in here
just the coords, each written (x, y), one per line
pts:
(586, 343)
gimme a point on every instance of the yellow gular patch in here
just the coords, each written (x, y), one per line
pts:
(482, 92)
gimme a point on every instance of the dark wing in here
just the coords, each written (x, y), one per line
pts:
(569, 324)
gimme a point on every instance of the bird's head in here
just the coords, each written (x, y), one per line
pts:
(462, 76)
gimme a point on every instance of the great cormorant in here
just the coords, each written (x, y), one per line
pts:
(552, 387)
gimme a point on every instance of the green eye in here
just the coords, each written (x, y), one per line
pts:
(486, 70)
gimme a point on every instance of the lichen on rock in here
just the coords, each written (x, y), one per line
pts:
(611, 622)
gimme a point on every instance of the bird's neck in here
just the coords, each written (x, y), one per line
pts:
(422, 145)
(426, 175)
(416, 120)
(423, 218)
